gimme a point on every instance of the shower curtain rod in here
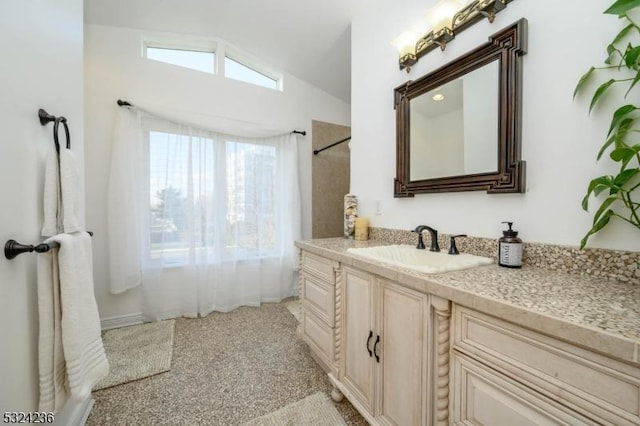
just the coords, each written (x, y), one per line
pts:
(129, 104)
(318, 151)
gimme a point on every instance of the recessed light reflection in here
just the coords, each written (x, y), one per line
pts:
(438, 97)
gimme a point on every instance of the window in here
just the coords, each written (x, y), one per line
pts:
(209, 194)
(238, 71)
(212, 56)
(194, 59)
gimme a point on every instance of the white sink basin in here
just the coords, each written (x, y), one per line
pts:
(426, 261)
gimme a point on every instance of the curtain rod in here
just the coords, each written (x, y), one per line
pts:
(318, 151)
(129, 104)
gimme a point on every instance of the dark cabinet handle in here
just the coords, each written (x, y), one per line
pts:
(375, 349)
(368, 341)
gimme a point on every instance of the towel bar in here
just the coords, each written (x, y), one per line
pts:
(12, 248)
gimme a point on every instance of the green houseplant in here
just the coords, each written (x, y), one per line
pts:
(623, 64)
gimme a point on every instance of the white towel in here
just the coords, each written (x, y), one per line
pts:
(125, 203)
(61, 193)
(84, 356)
(70, 189)
(52, 199)
(52, 372)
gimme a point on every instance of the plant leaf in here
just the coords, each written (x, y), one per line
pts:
(620, 7)
(625, 176)
(631, 56)
(596, 227)
(620, 114)
(633, 83)
(583, 80)
(604, 206)
(596, 186)
(622, 33)
(611, 49)
(624, 154)
(621, 133)
(606, 145)
(600, 91)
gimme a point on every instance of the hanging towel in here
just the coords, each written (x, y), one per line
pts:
(125, 203)
(52, 372)
(79, 330)
(52, 199)
(61, 193)
(70, 190)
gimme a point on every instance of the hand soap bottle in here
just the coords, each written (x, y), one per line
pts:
(510, 248)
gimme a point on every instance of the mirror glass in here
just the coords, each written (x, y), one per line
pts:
(454, 127)
(458, 128)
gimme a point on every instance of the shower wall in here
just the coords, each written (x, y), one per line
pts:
(330, 179)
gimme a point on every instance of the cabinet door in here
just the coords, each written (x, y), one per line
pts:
(403, 356)
(357, 366)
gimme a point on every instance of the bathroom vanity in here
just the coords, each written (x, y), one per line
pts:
(487, 345)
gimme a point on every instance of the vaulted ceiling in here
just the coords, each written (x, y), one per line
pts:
(310, 40)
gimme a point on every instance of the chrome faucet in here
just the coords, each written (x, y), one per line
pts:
(434, 237)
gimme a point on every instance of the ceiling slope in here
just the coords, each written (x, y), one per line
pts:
(310, 40)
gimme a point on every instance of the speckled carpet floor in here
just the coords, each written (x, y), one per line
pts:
(227, 369)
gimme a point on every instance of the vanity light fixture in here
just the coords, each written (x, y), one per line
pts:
(406, 45)
(440, 17)
(447, 18)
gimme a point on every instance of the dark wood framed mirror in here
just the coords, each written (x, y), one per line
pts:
(459, 127)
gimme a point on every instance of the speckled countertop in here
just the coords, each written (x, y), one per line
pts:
(600, 315)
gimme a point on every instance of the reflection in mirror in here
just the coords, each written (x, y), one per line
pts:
(469, 140)
(454, 127)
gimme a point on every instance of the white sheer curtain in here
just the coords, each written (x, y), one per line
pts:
(222, 214)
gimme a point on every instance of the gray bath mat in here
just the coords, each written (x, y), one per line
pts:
(138, 351)
(294, 307)
(314, 410)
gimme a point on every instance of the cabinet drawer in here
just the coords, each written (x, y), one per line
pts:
(485, 397)
(319, 297)
(592, 384)
(319, 336)
(319, 266)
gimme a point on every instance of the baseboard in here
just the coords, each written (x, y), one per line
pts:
(74, 414)
(121, 321)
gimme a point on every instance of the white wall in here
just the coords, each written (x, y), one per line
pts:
(115, 69)
(559, 139)
(41, 45)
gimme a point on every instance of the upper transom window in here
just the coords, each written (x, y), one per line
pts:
(213, 57)
(239, 71)
(193, 59)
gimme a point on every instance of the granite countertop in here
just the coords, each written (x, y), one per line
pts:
(600, 315)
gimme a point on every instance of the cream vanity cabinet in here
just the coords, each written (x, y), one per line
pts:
(385, 360)
(318, 277)
(504, 374)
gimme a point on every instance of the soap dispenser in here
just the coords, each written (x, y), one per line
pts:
(510, 248)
